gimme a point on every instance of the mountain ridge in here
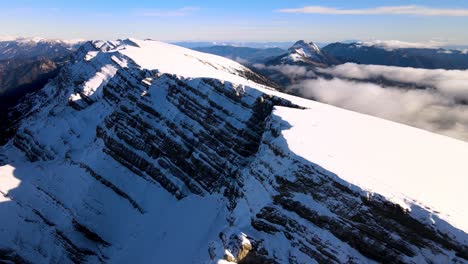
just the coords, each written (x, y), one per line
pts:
(166, 147)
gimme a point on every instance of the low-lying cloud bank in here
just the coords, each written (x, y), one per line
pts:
(450, 83)
(437, 109)
(397, 44)
(292, 71)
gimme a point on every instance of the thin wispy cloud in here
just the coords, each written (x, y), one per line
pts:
(382, 10)
(180, 12)
(397, 44)
(450, 83)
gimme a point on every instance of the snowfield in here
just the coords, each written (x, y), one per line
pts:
(409, 166)
(168, 58)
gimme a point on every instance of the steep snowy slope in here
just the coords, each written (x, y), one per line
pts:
(410, 167)
(144, 152)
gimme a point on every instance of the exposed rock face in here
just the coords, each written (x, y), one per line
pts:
(308, 200)
(108, 153)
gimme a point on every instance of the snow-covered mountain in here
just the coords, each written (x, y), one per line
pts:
(144, 152)
(36, 47)
(398, 54)
(302, 53)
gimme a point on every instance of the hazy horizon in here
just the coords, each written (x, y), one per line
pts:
(239, 21)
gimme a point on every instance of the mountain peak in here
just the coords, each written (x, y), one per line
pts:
(308, 48)
(305, 52)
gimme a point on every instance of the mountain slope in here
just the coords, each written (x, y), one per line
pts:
(141, 151)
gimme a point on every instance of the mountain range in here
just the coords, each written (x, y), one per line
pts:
(140, 151)
(310, 54)
(26, 65)
(427, 58)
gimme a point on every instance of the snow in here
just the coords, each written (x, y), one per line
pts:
(167, 58)
(295, 57)
(302, 50)
(91, 55)
(173, 231)
(445, 51)
(99, 80)
(9, 182)
(36, 39)
(409, 166)
(244, 240)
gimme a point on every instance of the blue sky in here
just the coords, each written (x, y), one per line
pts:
(238, 20)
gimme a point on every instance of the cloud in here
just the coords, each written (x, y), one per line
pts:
(452, 84)
(239, 60)
(425, 109)
(396, 44)
(383, 10)
(184, 11)
(8, 38)
(292, 71)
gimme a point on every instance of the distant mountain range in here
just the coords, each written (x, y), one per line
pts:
(427, 58)
(256, 45)
(310, 54)
(243, 54)
(26, 65)
(281, 66)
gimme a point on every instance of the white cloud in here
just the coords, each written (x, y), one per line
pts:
(437, 107)
(184, 11)
(7, 38)
(425, 109)
(240, 60)
(383, 10)
(292, 71)
(396, 44)
(41, 39)
(449, 83)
